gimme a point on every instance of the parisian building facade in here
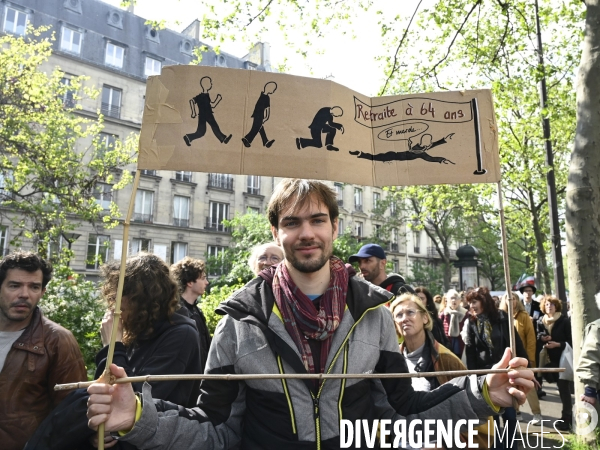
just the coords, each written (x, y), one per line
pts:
(175, 213)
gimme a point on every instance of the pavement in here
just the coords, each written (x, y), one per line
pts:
(551, 410)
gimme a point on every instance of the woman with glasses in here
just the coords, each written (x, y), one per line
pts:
(487, 335)
(422, 352)
(264, 255)
(553, 332)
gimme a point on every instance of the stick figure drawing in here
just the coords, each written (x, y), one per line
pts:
(415, 151)
(323, 123)
(262, 113)
(202, 107)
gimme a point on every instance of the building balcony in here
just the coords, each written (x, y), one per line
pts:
(142, 218)
(111, 110)
(432, 253)
(215, 225)
(220, 182)
(340, 203)
(394, 247)
(183, 223)
(358, 208)
(253, 190)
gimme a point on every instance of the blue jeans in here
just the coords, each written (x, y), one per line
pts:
(510, 424)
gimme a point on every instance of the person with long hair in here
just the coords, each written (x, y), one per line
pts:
(151, 340)
(487, 336)
(437, 327)
(423, 353)
(554, 332)
(528, 337)
(453, 317)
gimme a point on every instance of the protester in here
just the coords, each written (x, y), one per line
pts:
(151, 340)
(423, 353)
(528, 337)
(488, 334)
(438, 302)
(437, 327)
(190, 275)
(554, 332)
(263, 256)
(307, 315)
(371, 259)
(35, 353)
(453, 317)
(588, 368)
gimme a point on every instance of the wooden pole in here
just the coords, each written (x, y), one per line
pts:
(511, 325)
(108, 376)
(292, 376)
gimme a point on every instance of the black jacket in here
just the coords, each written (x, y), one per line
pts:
(172, 348)
(535, 307)
(561, 333)
(479, 355)
(195, 313)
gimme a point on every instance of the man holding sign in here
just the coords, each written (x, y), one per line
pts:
(308, 314)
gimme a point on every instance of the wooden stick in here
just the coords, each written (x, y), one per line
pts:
(511, 325)
(108, 376)
(291, 376)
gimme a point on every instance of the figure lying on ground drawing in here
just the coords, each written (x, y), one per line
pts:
(418, 151)
(323, 123)
(202, 107)
(262, 112)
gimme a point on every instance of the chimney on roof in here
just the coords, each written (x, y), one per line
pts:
(131, 6)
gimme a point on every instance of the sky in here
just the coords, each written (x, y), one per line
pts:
(346, 60)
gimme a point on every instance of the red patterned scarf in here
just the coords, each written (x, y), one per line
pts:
(301, 319)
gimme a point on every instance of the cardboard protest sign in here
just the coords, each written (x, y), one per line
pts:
(207, 119)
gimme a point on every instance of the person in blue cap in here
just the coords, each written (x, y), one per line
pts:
(371, 259)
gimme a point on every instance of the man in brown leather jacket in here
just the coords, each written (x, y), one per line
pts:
(35, 353)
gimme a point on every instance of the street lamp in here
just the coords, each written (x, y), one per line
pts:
(468, 266)
(70, 238)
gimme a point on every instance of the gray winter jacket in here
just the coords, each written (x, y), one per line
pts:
(292, 414)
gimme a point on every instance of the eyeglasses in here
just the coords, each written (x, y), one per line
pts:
(273, 258)
(410, 313)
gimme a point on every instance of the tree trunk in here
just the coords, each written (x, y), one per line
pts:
(583, 191)
(542, 264)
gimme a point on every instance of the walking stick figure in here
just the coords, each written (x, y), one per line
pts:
(202, 107)
(262, 113)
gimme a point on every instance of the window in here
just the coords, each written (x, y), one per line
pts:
(111, 102)
(339, 193)
(393, 210)
(70, 41)
(377, 230)
(3, 240)
(218, 212)
(181, 211)
(253, 210)
(153, 66)
(15, 21)
(139, 245)
(5, 192)
(358, 229)
(143, 206)
(220, 181)
(179, 250)
(151, 172)
(114, 55)
(183, 176)
(417, 241)
(68, 96)
(103, 195)
(396, 265)
(97, 253)
(253, 184)
(340, 226)
(376, 199)
(216, 251)
(394, 242)
(54, 248)
(107, 143)
(358, 199)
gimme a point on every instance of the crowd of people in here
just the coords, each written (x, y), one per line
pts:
(306, 311)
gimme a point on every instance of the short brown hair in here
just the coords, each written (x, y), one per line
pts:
(150, 291)
(552, 299)
(187, 271)
(27, 261)
(296, 192)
